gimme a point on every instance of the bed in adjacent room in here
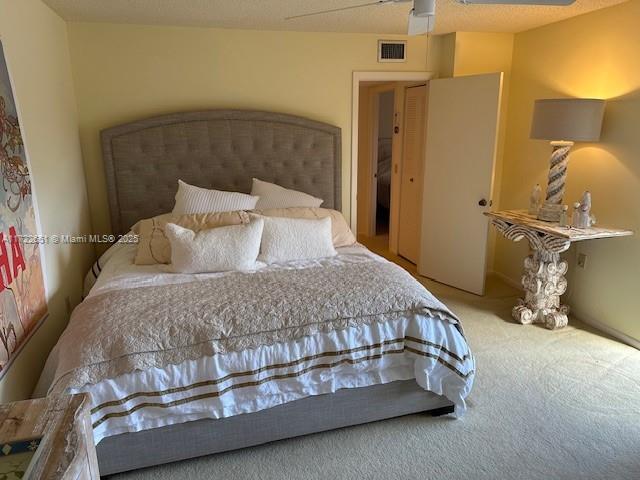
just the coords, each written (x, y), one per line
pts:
(186, 364)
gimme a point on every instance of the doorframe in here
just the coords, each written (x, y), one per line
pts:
(370, 76)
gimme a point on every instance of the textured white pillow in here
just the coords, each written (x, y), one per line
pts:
(219, 249)
(191, 199)
(275, 196)
(286, 239)
(342, 234)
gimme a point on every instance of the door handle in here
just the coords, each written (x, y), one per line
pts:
(411, 179)
(483, 202)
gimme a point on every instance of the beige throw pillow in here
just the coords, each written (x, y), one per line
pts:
(274, 196)
(340, 231)
(154, 247)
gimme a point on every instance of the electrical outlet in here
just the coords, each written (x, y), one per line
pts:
(582, 260)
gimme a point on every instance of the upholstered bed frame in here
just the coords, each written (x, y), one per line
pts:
(224, 149)
(221, 149)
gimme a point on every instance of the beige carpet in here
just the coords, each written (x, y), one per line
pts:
(546, 405)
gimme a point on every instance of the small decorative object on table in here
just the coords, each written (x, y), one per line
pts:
(534, 199)
(48, 438)
(543, 278)
(582, 217)
(564, 220)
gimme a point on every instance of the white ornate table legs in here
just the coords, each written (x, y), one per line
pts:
(543, 283)
(543, 278)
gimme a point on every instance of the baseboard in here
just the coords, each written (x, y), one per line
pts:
(508, 280)
(597, 324)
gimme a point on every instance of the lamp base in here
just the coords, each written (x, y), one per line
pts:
(550, 212)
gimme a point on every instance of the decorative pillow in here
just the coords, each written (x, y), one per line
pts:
(154, 246)
(341, 233)
(274, 196)
(214, 250)
(285, 239)
(190, 199)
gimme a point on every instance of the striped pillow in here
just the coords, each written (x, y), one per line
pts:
(91, 277)
(274, 196)
(190, 199)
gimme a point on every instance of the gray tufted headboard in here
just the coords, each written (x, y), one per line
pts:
(221, 149)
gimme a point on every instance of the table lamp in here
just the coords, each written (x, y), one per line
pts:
(563, 121)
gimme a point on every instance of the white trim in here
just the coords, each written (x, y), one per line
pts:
(597, 324)
(355, 101)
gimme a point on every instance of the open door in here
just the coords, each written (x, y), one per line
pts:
(462, 131)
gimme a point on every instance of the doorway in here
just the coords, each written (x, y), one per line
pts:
(392, 131)
(361, 191)
(456, 168)
(383, 157)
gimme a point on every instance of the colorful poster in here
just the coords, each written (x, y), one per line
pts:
(22, 296)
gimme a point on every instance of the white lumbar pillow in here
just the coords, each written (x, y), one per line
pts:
(274, 196)
(286, 239)
(219, 249)
(191, 199)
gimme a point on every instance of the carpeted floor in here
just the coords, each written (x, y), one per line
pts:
(546, 405)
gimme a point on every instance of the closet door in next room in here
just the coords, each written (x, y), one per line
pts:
(411, 178)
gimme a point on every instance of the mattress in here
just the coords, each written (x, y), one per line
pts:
(409, 346)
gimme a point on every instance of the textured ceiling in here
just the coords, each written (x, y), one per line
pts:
(270, 14)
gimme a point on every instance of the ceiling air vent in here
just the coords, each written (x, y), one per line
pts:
(392, 51)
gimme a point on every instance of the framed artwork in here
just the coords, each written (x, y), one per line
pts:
(23, 304)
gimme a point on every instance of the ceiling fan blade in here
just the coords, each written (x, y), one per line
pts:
(560, 3)
(341, 9)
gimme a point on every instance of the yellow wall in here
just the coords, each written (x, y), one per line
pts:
(447, 57)
(594, 55)
(126, 72)
(35, 43)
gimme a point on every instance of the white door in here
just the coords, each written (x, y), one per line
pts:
(413, 155)
(462, 129)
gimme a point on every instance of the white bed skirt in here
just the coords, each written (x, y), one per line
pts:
(253, 380)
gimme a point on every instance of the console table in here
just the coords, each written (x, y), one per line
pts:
(543, 279)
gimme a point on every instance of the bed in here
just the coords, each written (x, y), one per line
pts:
(346, 351)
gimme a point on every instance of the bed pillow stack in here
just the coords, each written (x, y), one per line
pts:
(210, 230)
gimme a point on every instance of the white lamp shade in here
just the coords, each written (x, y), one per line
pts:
(571, 119)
